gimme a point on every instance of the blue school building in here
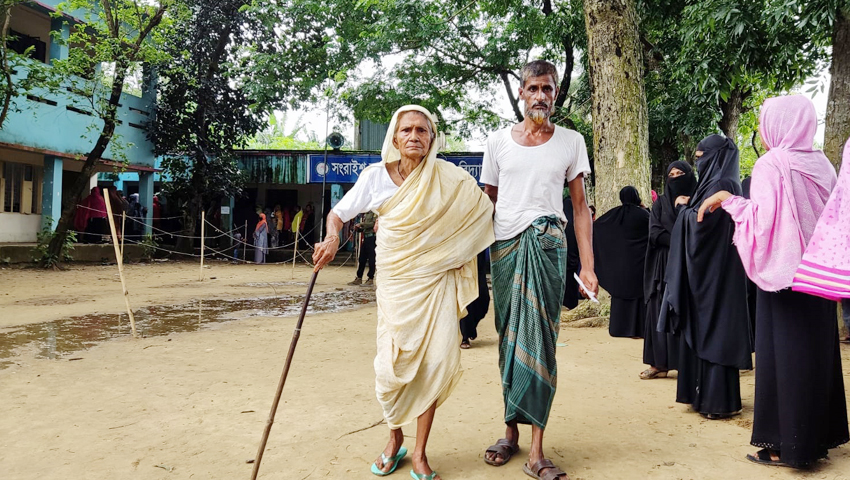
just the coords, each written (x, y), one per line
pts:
(48, 132)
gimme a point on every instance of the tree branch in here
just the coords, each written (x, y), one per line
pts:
(514, 102)
(566, 79)
(110, 20)
(7, 74)
(154, 21)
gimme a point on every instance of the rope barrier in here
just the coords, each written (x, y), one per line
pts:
(104, 212)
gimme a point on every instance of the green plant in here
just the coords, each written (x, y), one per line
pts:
(149, 246)
(41, 253)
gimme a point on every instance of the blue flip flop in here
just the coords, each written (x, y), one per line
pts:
(422, 476)
(385, 460)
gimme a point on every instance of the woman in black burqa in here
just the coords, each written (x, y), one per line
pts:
(660, 349)
(619, 250)
(705, 301)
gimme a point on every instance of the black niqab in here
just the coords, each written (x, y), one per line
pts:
(661, 222)
(619, 246)
(705, 299)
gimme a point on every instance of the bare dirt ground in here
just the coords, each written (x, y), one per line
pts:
(194, 404)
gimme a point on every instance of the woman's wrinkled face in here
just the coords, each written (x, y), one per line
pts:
(675, 172)
(413, 135)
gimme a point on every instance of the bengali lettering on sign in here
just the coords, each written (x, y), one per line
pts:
(471, 164)
(340, 168)
(347, 168)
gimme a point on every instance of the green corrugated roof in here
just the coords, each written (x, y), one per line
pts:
(275, 169)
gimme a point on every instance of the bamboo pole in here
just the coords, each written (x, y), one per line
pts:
(123, 232)
(296, 334)
(294, 253)
(203, 221)
(120, 262)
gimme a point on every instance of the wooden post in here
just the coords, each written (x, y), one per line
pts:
(294, 252)
(203, 220)
(123, 232)
(120, 262)
(245, 243)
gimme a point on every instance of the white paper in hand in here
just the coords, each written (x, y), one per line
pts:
(583, 287)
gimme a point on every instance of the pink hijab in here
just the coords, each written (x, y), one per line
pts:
(790, 187)
(825, 269)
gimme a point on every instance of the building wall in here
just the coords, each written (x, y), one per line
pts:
(371, 135)
(19, 228)
(32, 23)
(61, 120)
(50, 130)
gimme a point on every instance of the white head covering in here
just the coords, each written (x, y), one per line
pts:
(391, 154)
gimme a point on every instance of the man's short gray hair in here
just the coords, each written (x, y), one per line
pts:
(538, 68)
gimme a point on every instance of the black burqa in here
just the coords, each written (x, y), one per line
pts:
(705, 301)
(660, 349)
(799, 409)
(619, 251)
(571, 292)
(479, 307)
(751, 286)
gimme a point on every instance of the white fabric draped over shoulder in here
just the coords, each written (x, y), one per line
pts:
(430, 232)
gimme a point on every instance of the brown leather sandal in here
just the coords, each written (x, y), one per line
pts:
(554, 473)
(504, 448)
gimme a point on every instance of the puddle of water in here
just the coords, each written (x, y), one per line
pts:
(60, 338)
(274, 284)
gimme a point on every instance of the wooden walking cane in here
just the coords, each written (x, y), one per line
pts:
(295, 335)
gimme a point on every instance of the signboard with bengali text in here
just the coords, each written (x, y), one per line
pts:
(347, 168)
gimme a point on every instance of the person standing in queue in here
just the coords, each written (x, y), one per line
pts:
(705, 301)
(660, 349)
(800, 406)
(367, 250)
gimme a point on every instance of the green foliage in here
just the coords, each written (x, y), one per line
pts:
(116, 39)
(211, 98)
(121, 34)
(275, 136)
(710, 57)
(41, 253)
(149, 246)
(461, 59)
(37, 73)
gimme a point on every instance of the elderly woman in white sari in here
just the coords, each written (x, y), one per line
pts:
(434, 221)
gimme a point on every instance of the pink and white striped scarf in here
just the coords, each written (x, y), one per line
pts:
(825, 268)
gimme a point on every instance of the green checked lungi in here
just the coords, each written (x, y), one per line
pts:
(528, 285)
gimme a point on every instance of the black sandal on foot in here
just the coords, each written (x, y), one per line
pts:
(762, 457)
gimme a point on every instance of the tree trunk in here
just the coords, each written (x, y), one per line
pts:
(9, 87)
(620, 119)
(80, 185)
(732, 110)
(837, 127)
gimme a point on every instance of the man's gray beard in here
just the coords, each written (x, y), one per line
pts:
(537, 116)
